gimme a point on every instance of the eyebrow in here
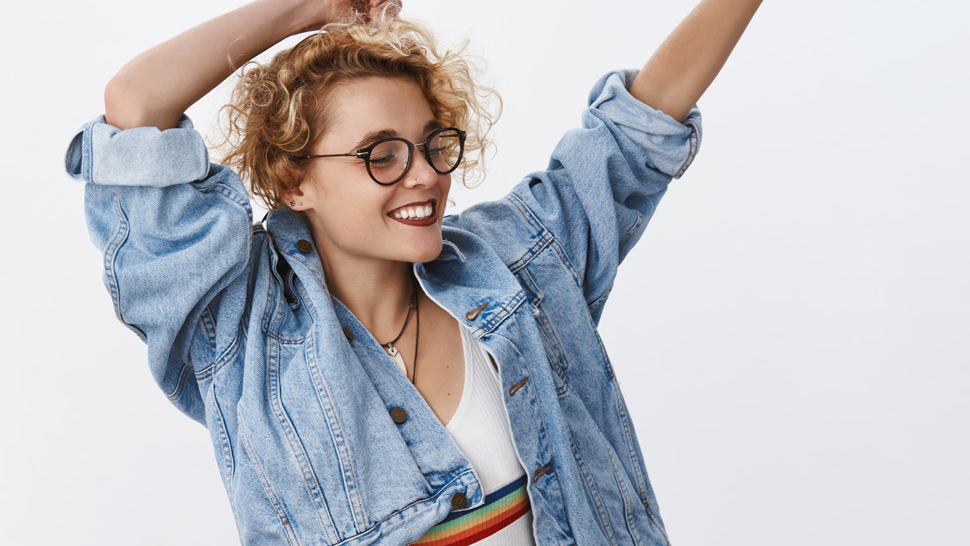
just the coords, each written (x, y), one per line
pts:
(374, 136)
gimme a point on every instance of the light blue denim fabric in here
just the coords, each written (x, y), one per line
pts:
(243, 336)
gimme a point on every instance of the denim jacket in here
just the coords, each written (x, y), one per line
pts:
(244, 337)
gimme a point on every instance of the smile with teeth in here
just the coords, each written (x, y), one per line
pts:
(419, 212)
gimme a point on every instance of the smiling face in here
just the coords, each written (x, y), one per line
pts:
(353, 218)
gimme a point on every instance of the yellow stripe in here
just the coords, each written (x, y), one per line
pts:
(462, 531)
(472, 519)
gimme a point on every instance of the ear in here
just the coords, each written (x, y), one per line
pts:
(294, 197)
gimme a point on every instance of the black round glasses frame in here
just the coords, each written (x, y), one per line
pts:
(364, 153)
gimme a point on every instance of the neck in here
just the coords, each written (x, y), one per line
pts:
(375, 291)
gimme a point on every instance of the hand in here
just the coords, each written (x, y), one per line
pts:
(336, 10)
(374, 7)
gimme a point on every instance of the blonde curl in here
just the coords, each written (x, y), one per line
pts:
(278, 110)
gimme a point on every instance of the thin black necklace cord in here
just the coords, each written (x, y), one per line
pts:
(417, 336)
(411, 304)
(389, 347)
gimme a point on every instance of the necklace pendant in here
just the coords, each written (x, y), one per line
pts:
(396, 357)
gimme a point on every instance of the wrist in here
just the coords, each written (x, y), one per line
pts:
(305, 15)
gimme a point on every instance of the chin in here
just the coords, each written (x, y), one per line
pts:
(426, 253)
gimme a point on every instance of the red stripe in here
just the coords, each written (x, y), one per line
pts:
(501, 524)
(473, 535)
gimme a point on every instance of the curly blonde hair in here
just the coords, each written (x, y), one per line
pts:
(278, 110)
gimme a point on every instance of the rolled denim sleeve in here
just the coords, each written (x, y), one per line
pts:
(604, 180)
(174, 232)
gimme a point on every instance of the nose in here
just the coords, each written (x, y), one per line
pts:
(420, 173)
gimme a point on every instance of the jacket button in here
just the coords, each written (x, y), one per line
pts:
(304, 246)
(473, 314)
(398, 415)
(459, 501)
(349, 334)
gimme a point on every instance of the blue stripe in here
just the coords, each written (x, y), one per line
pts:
(489, 499)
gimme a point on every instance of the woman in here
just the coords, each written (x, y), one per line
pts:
(370, 371)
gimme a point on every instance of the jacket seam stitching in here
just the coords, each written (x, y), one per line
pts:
(602, 297)
(630, 446)
(593, 494)
(634, 227)
(110, 258)
(221, 361)
(227, 192)
(310, 481)
(273, 316)
(268, 491)
(227, 458)
(335, 427)
(400, 512)
(177, 391)
(627, 504)
(551, 338)
(692, 141)
(208, 325)
(544, 239)
(556, 244)
(506, 311)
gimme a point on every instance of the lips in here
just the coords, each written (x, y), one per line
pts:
(417, 213)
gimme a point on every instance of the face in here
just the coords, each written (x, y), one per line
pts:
(353, 217)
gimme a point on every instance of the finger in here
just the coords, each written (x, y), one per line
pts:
(361, 7)
(393, 7)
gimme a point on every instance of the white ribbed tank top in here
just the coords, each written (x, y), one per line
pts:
(480, 427)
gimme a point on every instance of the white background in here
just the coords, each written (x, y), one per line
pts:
(792, 333)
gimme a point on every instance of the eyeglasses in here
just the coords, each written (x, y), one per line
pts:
(388, 160)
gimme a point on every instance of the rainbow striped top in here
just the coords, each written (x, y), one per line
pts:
(502, 507)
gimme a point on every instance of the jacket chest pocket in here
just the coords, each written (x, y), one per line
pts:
(287, 318)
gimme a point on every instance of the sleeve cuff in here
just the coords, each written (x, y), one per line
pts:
(143, 156)
(670, 145)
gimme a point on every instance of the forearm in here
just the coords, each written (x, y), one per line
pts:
(156, 87)
(687, 62)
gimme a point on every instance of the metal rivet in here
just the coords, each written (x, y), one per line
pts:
(304, 246)
(349, 334)
(459, 501)
(398, 415)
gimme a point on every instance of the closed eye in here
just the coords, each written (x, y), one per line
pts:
(383, 160)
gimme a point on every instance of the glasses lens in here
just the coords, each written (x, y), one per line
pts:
(445, 149)
(388, 161)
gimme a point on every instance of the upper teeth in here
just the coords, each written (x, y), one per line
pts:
(413, 213)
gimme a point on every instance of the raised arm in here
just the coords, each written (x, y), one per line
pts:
(687, 62)
(156, 87)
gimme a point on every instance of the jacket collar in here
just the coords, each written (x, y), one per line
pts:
(470, 280)
(287, 229)
(467, 278)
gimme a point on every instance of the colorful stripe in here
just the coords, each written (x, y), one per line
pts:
(461, 527)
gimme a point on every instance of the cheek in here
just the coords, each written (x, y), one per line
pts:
(445, 184)
(346, 192)
(350, 207)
